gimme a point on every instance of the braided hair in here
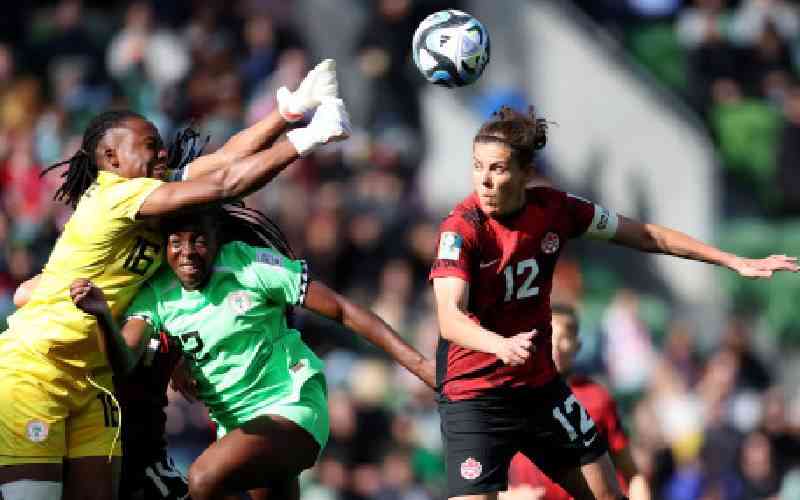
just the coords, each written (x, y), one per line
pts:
(251, 226)
(183, 150)
(83, 168)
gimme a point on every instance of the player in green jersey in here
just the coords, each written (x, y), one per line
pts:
(226, 301)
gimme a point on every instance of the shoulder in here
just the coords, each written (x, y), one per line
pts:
(118, 196)
(546, 196)
(252, 266)
(238, 255)
(467, 217)
(109, 183)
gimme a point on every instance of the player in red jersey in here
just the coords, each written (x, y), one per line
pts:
(499, 389)
(601, 408)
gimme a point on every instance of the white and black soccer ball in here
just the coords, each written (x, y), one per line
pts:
(451, 48)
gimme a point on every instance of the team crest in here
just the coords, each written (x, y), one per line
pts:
(550, 243)
(471, 469)
(299, 366)
(239, 302)
(37, 431)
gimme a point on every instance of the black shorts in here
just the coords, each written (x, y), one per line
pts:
(482, 435)
(161, 480)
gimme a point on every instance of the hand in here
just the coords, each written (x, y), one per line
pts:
(319, 84)
(183, 382)
(515, 350)
(763, 268)
(88, 298)
(331, 123)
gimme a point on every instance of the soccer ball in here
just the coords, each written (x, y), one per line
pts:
(451, 48)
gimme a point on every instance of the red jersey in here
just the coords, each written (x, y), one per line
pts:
(509, 265)
(603, 410)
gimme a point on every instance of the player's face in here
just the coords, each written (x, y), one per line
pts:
(191, 252)
(566, 342)
(140, 152)
(498, 179)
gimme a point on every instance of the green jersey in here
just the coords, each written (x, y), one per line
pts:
(242, 353)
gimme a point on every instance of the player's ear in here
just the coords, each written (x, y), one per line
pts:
(529, 171)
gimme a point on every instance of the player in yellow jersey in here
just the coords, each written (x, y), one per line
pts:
(58, 418)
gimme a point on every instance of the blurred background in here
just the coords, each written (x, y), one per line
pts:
(685, 113)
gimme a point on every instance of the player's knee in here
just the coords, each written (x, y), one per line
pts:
(203, 482)
(26, 489)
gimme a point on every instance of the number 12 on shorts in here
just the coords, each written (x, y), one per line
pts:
(586, 423)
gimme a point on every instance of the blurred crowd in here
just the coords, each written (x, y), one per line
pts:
(736, 63)
(727, 414)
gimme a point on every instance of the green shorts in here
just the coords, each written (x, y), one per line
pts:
(309, 410)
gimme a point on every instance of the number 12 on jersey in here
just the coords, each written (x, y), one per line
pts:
(528, 268)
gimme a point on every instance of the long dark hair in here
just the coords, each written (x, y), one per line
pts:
(251, 226)
(185, 148)
(83, 168)
(234, 221)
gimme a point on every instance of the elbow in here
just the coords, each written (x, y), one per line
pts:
(230, 184)
(446, 327)
(21, 297)
(649, 241)
(444, 332)
(449, 315)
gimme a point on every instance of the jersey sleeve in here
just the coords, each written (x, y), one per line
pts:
(456, 252)
(612, 427)
(280, 278)
(590, 219)
(145, 306)
(124, 199)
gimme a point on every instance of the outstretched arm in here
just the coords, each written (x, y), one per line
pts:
(330, 123)
(123, 348)
(245, 143)
(322, 300)
(659, 239)
(319, 84)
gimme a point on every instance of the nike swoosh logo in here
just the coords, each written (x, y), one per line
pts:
(487, 264)
(589, 442)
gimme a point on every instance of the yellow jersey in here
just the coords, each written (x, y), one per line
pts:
(102, 241)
